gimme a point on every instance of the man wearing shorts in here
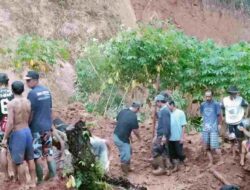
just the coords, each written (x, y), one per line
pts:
(5, 96)
(40, 124)
(211, 115)
(20, 142)
(234, 112)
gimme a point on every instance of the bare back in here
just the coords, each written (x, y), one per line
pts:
(19, 110)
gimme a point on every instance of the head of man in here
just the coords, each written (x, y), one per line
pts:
(233, 91)
(17, 87)
(160, 100)
(209, 95)
(32, 79)
(135, 107)
(171, 105)
(4, 79)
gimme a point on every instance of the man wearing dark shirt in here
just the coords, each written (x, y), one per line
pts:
(40, 124)
(5, 96)
(126, 123)
(162, 131)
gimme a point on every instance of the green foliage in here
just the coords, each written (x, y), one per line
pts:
(93, 80)
(183, 62)
(39, 51)
(90, 171)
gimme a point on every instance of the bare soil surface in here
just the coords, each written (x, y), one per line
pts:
(194, 176)
(197, 18)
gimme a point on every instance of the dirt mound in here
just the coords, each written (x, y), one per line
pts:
(60, 82)
(194, 176)
(196, 18)
(73, 20)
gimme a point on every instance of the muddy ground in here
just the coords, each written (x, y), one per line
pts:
(195, 176)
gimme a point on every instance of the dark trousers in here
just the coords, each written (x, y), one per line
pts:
(176, 150)
(234, 129)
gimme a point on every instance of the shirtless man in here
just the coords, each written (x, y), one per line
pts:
(20, 142)
(5, 96)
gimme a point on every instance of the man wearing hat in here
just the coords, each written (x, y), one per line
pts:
(40, 124)
(159, 149)
(234, 112)
(5, 96)
(126, 123)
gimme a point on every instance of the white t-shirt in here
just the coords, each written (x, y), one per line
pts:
(234, 111)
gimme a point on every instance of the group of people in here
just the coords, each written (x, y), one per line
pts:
(167, 146)
(32, 132)
(26, 126)
(26, 131)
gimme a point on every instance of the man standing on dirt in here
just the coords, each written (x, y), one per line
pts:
(211, 115)
(40, 124)
(234, 112)
(176, 140)
(20, 142)
(163, 131)
(5, 96)
(126, 123)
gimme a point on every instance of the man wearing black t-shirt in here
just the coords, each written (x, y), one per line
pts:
(126, 123)
(5, 96)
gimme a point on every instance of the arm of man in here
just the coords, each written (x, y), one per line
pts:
(137, 134)
(245, 131)
(61, 141)
(183, 122)
(219, 115)
(31, 98)
(166, 123)
(109, 149)
(10, 123)
(244, 104)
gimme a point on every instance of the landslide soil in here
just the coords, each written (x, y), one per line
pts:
(200, 18)
(195, 176)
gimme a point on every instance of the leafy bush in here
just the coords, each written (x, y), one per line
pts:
(39, 53)
(183, 62)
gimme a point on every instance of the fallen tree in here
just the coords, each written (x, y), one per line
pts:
(87, 171)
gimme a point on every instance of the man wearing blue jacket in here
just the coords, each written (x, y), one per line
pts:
(162, 132)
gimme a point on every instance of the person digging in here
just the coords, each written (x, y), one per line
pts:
(159, 149)
(126, 124)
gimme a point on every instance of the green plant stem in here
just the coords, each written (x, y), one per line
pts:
(108, 100)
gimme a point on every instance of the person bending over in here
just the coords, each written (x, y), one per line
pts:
(126, 123)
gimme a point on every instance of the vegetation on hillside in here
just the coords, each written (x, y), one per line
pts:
(183, 62)
(34, 52)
